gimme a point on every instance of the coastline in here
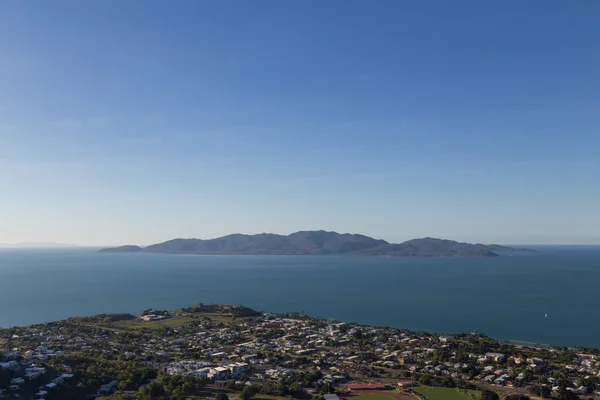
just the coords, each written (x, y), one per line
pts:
(515, 342)
(505, 297)
(218, 346)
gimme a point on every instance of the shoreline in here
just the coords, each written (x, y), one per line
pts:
(215, 346)
(506, 297)
(515, 342)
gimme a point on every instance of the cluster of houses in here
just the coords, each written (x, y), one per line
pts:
(26, 372)
(271, 347)
(493, 369)
(330, 347)
(208, 370)
(28, 364)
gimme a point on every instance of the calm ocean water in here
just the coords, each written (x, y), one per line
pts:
(505, 297)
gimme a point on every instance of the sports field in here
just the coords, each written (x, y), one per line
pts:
(151, 324)
(443, 393)
(381, 396)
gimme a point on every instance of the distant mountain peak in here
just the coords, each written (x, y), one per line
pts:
(318, 242)
(122, 249)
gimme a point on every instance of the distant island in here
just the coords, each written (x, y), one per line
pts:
(318, 243)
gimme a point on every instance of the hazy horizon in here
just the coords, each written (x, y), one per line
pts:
(42, 245)
(135, 122)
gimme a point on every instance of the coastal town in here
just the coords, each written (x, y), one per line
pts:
(232, 352)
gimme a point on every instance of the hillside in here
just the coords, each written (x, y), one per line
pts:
(304, 242)
(122, 249)
(318, 243)
(431, 247)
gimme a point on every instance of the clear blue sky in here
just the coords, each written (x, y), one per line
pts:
(140, 121)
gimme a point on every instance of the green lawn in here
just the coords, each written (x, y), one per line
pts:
(138, 324)
(212, 393)
(220, 317)
(268, 397)
(442, 393)
(151, 324)
(372, 396)
(382, 396)
(234, 396)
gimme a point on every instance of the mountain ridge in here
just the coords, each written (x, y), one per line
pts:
(318, 243)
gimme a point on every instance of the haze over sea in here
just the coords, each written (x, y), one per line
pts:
(505, 297)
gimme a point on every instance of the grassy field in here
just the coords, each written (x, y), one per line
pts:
(220, 317)
(442, 393)
(268, 397)
(382, 396)
(235, 396)
(212, 393)
(137, 324)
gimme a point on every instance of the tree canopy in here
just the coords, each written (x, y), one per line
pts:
(489, 395)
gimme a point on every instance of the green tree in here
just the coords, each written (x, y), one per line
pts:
(126, 385)
(221, 396)
(425, 380)
(541, 390)
(565, 394)
(5, 377)
(247, 393)
(563, 382)
(188, 386)
(449, 382)
(489, 395)
(517, 396)
(230, 384)
(265, 388)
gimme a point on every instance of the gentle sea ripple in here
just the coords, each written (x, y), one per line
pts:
(505, 297)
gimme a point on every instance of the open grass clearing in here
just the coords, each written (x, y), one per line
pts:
(220, 317)
(177, 321)
(269, 397)
(212, 393)
(387, 395)
(236, 396)
(443, 393)
(137, 324)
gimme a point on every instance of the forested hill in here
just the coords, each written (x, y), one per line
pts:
(318, 243)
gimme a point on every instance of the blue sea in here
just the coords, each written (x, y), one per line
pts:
(506, 297)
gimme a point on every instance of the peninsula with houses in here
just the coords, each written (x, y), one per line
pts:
(228, 352)
(319, 243)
